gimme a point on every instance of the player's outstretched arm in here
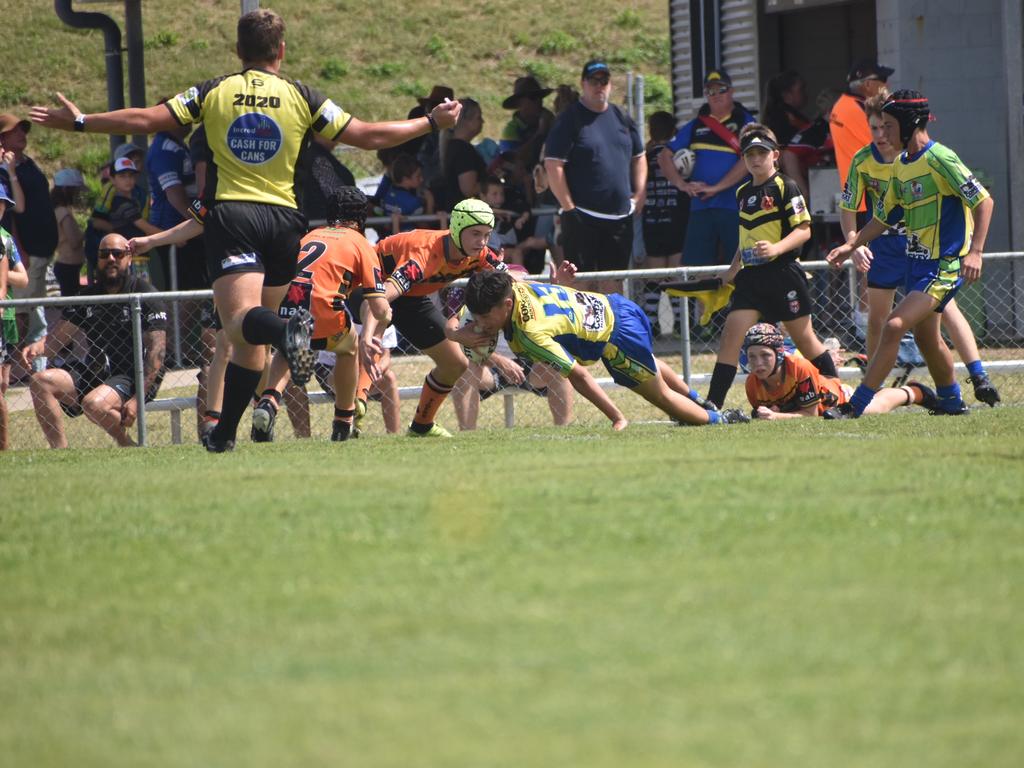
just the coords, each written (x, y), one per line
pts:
(584, 383)
(872, 229)
(176, 235)
(395, 132)
(135, 120)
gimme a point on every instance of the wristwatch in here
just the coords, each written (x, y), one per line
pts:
(79, 123)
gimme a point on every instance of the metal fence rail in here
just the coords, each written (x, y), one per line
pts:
(994, 306)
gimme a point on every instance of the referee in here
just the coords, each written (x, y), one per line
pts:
(258, 125)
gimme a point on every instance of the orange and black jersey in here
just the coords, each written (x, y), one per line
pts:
(257, 126)
(423, 261)
(802, 386)
(769, 211)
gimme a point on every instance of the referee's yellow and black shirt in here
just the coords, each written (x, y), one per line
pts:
(257, 126)
(769, 211)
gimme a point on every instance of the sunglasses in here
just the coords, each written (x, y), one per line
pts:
(112, 253)
(716, 91)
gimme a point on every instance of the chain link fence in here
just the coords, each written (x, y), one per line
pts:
(110, 348)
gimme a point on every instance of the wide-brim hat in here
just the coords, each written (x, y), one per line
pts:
(525, 86)
(9, 122)
(437, 96)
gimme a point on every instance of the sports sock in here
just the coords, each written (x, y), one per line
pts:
(273, 394)
(861, 399)
(949, 396)
(239, 386)
(262, 326)
(721, 379)
(826, 365)
(211, 415)
(432, 396)
(714, 417)
(344, 414)
(977, 368)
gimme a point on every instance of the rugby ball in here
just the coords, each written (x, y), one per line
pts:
(684, 160)
(481, 353)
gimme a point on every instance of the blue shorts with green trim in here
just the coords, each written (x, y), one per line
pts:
(939, 278)
(629, 353)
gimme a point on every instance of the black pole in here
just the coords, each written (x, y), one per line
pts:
(136, 59)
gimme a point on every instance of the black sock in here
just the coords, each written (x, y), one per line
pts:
(344, 414)
(273, 394)
(721, 379)
(826, 365)
(239, 386)
(212, 415)
(262, 326)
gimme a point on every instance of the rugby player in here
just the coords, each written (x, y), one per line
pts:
(569, 329)
(258, 123)
(947, 214)
(782, 386)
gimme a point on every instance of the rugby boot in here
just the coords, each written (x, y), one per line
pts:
(263, 417)
(958, 408)
(734, 416)
(984, 391)
(703, 402)
(212, 445)
(843, 411)
(301, 359)
(341, 431)
(929, 400)
(205, 429)
(436, 430)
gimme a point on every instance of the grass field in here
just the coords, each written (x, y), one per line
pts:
(793, 594)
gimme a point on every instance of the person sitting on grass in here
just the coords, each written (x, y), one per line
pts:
(569, 329)
(782, 386)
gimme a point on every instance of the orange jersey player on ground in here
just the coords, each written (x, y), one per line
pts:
(332, 262)
(781, 386)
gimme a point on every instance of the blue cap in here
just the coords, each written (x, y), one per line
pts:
(594, 67)
(5, 193)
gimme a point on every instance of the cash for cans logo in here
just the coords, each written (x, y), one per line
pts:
(254, 138)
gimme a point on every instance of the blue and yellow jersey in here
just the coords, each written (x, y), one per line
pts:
(257, 125)
(867, 180)
(714, 156)
(769, 211)
(934, 194)
(559, 326)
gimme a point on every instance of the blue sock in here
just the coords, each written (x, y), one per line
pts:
(976, 368)
(694, 394)
(951, 393)
(714, 417)
(861, 399)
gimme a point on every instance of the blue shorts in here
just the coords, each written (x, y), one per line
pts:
(629, 352)
(939, 278)
(712, 237)
(889, 265)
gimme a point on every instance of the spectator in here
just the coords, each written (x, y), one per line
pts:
(848, 123)
(427, 149)
(507, 237)
(17, 277)
(324, 172)
(384, 389)
(137, 155)
(598, 172)
(666, 210)
(407, 195)
(128, 205)
(172, 180)
(525, 132)
(712, 233)
(70, 243)
(103, 385)
(34, 228)
(785, 97)
(464, 168)
(565, 96)
(810, 146)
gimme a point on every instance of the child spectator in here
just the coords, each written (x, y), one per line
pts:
(71, 240)
(407, 195)
(666, 210)
(508, 236)
(774, 225)
(125, 209)
(12, 275)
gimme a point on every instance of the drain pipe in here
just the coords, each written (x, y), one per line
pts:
(112, 52)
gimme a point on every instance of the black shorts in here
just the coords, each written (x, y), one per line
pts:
(777, 291)
(662, 240)
(597, 245)
(253, 237)
(86, 378)
(417, 318)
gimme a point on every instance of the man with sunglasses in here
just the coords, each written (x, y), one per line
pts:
(712, 233)
(102, 386)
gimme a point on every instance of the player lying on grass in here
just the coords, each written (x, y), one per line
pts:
(781, 386)
(570, 329)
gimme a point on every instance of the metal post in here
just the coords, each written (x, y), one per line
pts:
(140, 370)
(629, 94)
(172, 261)
(851, 279)
(641, 108)
(136, 60)
(510, 411)
(684, 335)
(249, 5)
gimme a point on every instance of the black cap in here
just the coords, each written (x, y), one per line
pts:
(866, 68)
(594, 67)
(718, 75)
(755, 140)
